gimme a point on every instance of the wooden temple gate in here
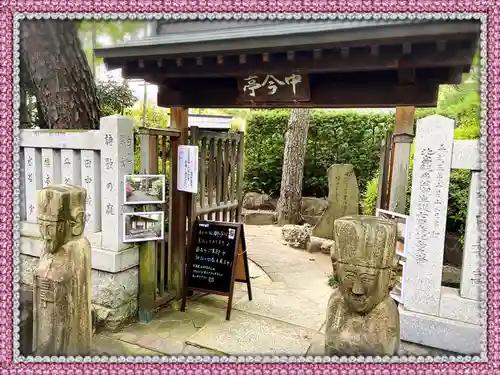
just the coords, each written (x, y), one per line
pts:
(219, 197)
(286, 64)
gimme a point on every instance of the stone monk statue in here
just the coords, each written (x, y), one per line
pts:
(61, 295)
(362, 320)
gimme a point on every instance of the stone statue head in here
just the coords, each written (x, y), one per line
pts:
(365, 250)
(60, 215)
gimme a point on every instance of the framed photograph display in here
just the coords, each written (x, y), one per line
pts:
(143, 226)
(144, 189)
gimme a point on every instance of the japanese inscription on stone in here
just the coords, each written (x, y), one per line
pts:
(274, 88)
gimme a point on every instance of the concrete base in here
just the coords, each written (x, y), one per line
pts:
(440, 333)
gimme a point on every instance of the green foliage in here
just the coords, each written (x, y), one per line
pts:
(370, 196)
(114, 97)
(156, 117)
(335, 137)
(332, 280)
(115, 31)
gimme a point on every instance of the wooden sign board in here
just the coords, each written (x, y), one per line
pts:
(217, 258)
(274, 88)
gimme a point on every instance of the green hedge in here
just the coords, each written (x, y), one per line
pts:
(335, 137)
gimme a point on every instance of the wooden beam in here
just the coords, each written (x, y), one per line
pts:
(313, 62)
(178, 207)
(323, 95)
(403, 137)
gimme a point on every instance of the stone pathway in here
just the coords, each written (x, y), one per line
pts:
(285, 317)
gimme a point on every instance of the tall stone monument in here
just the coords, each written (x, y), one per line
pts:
(61, 294)
(361, 318)
(343, 199)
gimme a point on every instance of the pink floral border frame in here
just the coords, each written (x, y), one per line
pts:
(9, 240)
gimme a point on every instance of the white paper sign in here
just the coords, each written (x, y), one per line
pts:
(187, 171)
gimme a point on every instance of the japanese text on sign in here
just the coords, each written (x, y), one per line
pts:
(272, 83)
(187, 175)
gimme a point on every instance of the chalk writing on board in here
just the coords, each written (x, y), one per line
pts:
(108, 140)
(213, 257)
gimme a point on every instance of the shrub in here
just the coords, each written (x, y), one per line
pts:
(335, 137)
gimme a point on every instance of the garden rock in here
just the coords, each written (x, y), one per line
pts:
(257, 201)
(251, 217)
(319, 244)
(343, 198)
(296, 236)
(312, 206)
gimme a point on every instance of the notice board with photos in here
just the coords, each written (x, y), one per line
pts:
(217, 258)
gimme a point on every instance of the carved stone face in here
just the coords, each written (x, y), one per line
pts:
(54, 234)
(363, 287)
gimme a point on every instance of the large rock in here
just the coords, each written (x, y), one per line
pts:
(343, 199)
(259, 217)
(312, 208)
(296, 236)
(257, 201)
(322, 244)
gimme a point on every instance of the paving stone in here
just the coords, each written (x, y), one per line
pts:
(247, 334)
(288, 307)
(103, 345)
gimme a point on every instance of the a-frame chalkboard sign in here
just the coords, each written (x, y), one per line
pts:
(217, 258)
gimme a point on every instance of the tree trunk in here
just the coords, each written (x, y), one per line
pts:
(62, 81)
(288, 207)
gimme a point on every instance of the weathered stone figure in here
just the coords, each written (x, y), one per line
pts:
(62, 297)
(362, 320)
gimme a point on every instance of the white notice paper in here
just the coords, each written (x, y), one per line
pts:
(187, 171)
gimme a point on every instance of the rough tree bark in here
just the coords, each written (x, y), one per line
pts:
(288, 207)
(60, 74)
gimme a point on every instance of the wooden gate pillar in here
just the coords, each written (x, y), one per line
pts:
(178, 208)
(403, 138)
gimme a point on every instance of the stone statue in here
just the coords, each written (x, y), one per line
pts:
(361, 319)
(61, 294)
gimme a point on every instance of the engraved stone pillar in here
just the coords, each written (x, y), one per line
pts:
(343, 199)
(361, 318)
(61, 289)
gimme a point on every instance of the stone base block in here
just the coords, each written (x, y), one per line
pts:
(114, 295)
(440, 333)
